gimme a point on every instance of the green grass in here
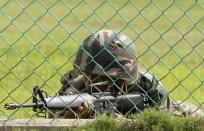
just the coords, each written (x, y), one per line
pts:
(38, 45)
(150, 120)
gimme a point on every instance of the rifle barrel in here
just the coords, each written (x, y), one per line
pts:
(11, 106)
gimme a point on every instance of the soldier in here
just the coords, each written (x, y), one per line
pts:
(109, 57)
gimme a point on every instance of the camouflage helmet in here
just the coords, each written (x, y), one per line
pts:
(110, 54)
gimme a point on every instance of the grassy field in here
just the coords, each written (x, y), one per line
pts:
(39, 40)
(150, 120)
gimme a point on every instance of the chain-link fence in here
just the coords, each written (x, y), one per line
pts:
(39, 42)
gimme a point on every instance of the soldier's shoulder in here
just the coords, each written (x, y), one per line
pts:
(72, 75)
(148, 79)
(145, 74)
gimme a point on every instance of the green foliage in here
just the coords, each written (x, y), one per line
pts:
(149, 120)
(102, 124)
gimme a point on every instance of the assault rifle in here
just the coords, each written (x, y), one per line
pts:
(100, 102)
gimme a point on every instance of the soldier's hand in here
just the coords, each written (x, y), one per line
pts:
(118, 116)
(84, 111)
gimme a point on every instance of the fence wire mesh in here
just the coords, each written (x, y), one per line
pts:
(39, 42)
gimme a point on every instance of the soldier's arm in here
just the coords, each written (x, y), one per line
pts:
(72, 81)
(157, 94)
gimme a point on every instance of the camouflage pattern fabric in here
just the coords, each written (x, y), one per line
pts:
(147, 84)
(180, 108)
(110, 54)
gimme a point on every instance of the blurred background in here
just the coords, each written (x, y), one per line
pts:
(39, 40)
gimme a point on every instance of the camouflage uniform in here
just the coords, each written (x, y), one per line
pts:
(112, 55)
(147, 83)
